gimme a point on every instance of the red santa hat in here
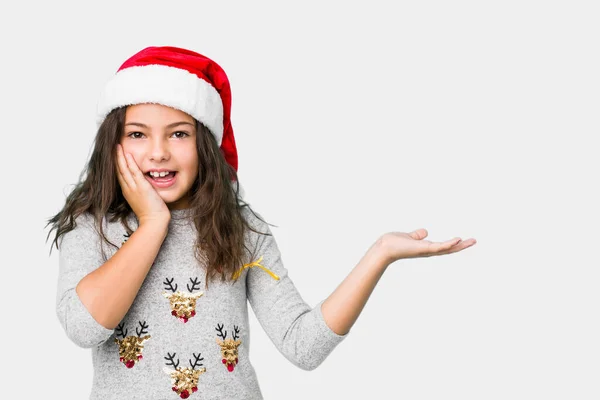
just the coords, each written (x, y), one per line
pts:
(178, 78)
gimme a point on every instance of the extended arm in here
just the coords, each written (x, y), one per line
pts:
(342, 308)
(306, 335)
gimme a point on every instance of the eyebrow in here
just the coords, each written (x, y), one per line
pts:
(174, 124)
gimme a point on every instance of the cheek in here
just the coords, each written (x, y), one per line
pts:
(134, 151)
(188, 160)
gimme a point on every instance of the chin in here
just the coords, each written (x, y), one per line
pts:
(169, 199)
(174, 201)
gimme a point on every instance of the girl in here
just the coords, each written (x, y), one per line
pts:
(159, 254)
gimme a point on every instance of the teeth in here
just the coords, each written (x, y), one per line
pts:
(159, 174)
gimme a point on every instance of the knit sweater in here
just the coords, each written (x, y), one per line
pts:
(179, 339)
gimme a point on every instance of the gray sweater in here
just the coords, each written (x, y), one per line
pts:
(179, 339)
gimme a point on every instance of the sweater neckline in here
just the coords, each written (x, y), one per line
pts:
(181, 213)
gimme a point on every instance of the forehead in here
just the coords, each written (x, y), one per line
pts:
(155, 115)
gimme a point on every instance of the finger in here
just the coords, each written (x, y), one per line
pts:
(121, 180)
(136, 173)
(124, 169)
(448, 244)
(118, 172)
(437, 248)
(118, 167)
(461, 245)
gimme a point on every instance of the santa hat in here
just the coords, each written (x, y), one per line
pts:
(178, 78)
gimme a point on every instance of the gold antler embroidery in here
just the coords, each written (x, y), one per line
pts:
(237, 273)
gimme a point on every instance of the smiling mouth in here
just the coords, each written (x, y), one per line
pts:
(167, 177)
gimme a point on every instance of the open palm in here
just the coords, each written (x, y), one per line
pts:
(399, 245)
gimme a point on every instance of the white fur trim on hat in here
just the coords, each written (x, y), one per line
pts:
(168, 86)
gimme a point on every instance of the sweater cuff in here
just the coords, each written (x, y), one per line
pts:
(80, 326)
(331, 335)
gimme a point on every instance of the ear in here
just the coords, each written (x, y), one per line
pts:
(167, 295)
(167, 371)
(219, 342)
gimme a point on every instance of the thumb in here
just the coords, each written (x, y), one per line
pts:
(418, 234)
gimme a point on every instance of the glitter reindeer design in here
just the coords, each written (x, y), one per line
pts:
(229, 347)
(131, 347)
(183, 305)
(184, 380)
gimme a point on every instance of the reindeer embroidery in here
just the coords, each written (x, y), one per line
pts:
(131, 347)
(184, 380)
(229, 347)
(183, 305)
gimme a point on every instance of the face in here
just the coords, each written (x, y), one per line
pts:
(161, 138)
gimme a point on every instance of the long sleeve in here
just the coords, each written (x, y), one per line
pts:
(297, 330)
(79, 254)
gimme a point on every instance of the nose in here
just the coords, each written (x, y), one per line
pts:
(159, 150)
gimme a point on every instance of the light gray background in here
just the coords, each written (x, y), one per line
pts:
(467, 118)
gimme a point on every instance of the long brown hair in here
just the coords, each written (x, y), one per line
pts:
(216, 208)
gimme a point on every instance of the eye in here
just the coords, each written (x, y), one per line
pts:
(134, 133)
(181, 137)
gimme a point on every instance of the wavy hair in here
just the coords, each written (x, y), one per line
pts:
(216, 208)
